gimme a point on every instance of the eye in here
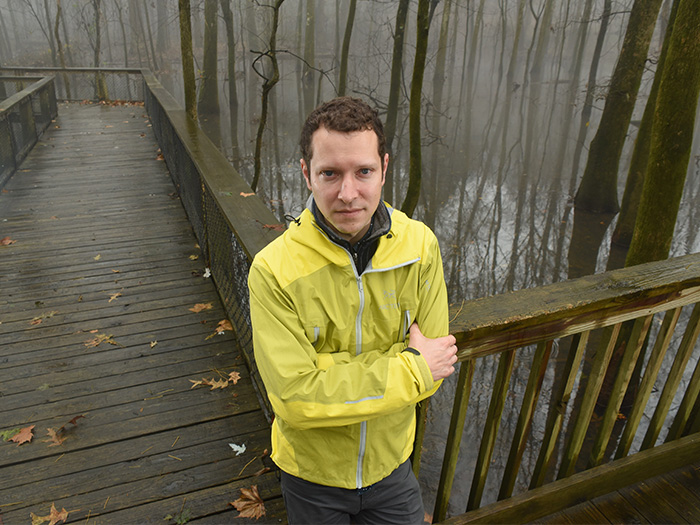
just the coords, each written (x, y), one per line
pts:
(365, 171)
(327, 173)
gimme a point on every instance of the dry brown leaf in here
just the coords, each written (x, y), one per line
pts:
(278, 227)
(234, 377)
(153, 343)
(244, 194)
(54, 438)
(114, 296)
(25, 435)
(6, 241)
(97, 257)
(223, 325)
(194, 257)
(195, 383)
(53, 518)
(101, 338)
(201, 306)
(40, 318)
(249, 504)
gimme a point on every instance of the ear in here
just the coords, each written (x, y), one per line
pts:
(305, 171)
(385, 167)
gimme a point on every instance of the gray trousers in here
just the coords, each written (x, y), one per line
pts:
(395, 499)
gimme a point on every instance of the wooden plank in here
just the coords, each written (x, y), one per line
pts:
(582, 486)
(148, 440)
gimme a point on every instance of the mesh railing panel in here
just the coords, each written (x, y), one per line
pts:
(7, 155)
(226, 256)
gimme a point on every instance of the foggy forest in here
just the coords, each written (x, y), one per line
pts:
(536, 137)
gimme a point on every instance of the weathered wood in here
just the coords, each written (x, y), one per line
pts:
(493, 421)
(675, 375)
(678, 428)
(557, 409)
(454, 439)
(570, 307)
(590, 396)
(582, 486)
(538, 368)
(663, 339)
(148, 441)
(624, 373)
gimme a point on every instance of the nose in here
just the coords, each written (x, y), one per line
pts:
(348, 189)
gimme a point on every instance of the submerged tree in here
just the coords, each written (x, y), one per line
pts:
(343, 79)
(395, 92)
(596, 201)
(671, 140)
(268, 84)
(414, 117)
(208, 102)
(187, 58)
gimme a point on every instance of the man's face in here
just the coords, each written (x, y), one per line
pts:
(346, 176)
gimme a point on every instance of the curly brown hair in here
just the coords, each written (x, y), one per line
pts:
(343, 114)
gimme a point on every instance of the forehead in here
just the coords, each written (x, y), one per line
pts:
(329, 144)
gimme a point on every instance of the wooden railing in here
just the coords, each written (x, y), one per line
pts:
(619, 317)
(612, 315)
(24, 115)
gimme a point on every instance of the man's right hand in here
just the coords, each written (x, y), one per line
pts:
(439, 353)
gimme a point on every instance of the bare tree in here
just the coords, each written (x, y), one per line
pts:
(342, 81)
(208, 103)
(268, 84)
(187, 58)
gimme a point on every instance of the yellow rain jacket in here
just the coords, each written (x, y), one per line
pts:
(331, 348)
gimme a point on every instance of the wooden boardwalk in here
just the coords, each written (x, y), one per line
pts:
(96, 287)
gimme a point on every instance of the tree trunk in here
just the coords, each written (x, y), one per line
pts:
(414, 117)
(66, 81)
(392, 111)
(596, 202)
(187, 58)
(309, 57)
(624, 229)
(232, 94)
(208, 103)
(268, 84)
(342, 81)
(100, 84)
(68, 46)
(163, 33)
(52, 44)
(598, 189)
(671, 139)
(438, 85)
(150, 36)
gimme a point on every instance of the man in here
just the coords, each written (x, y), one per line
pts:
(350, 330)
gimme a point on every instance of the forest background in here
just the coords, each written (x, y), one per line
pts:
(540, 139)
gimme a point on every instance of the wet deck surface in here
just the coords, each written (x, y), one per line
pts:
(673, 497)
(97, 278)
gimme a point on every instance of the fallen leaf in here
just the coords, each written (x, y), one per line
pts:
(238, 449)
(278, 227)
(234, 377)
(97, 257)
(160, 156)
(216, 383)
(180, 518)
(249, 504)
(194, 383)
(7, 434)
(40, 318)
(53, 518)
(54, 437)
(24, 435)
(6, 241)
(223, 325)
(101, 338)
(115, 271)
(194, 257)
(153, 343)
(114, 296)
(201, 306)
(243, 194)
(207, 273)
(74, 421)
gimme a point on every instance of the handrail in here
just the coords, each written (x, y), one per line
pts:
(619, 305)
(23, 118)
